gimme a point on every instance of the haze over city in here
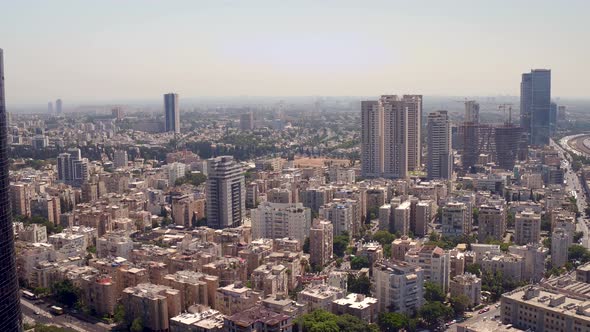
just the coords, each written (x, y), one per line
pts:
(294, 166)
(107, 51)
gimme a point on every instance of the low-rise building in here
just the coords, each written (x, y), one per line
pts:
(469, 285)
(357, 305)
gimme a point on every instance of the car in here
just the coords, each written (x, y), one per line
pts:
(497, 305)
(37, 313)
(484, 310)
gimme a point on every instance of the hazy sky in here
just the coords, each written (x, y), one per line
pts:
(103, 50)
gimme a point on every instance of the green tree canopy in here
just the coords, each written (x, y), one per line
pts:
(435, 314)
(359, 262)
(433, 292)
(383, 237)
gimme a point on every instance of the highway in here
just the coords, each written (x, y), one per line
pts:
(574, 184)
(40, 314)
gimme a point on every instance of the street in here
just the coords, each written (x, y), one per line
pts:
(573, 185)
(477, 318)
(65, 321)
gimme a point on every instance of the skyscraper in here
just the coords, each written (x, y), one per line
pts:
(391, 128)
(50, 107)
(535, 105)
(371, 139)
(226, 193)
(58, 106)
(552, 119)
(471, 111)
(172, 112)
(440, 154)
(10, 312)
(72, 169)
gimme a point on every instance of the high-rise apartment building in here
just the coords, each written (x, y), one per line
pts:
(10, 312)
(72, 169)
(440, 153)
(120, 159)
(399, 286)
(535, 105)
(371, 139)
(528, 227)
(172, 112)
(280, 220)
(321, 237)
(226, 193)
(391, 142)
(434, 261)
(455, 219)
(492, 223)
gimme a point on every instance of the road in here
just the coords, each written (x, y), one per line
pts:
(30, 309)
(573, 184)
(477, 318)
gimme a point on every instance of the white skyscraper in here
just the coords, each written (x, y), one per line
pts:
(226, 193)
(172, 112)
(440, 154)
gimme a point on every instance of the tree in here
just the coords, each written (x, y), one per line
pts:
(578, 236)
(383, 237)
(393, 321)
(137, 325)
(360, 284)
(473, 269)
(340, 244)
(359, 262)
(66, 293)
(324, 321)
(433, 292)
(578, 252)
(306, 245)
(459, 303)
(119, 313)
(435, 314)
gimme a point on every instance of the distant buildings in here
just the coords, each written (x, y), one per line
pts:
(58, 107)
(226, 193)
(172, 112)
(247, 121)
(440, 154)
(471, 111)
(535, 105)
(120, 159)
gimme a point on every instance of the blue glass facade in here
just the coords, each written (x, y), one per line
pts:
(535, 105)
(10, 312)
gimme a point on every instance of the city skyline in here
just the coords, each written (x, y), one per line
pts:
(438, 49)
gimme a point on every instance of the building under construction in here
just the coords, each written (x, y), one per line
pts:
(503, 144)
(476, 139)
